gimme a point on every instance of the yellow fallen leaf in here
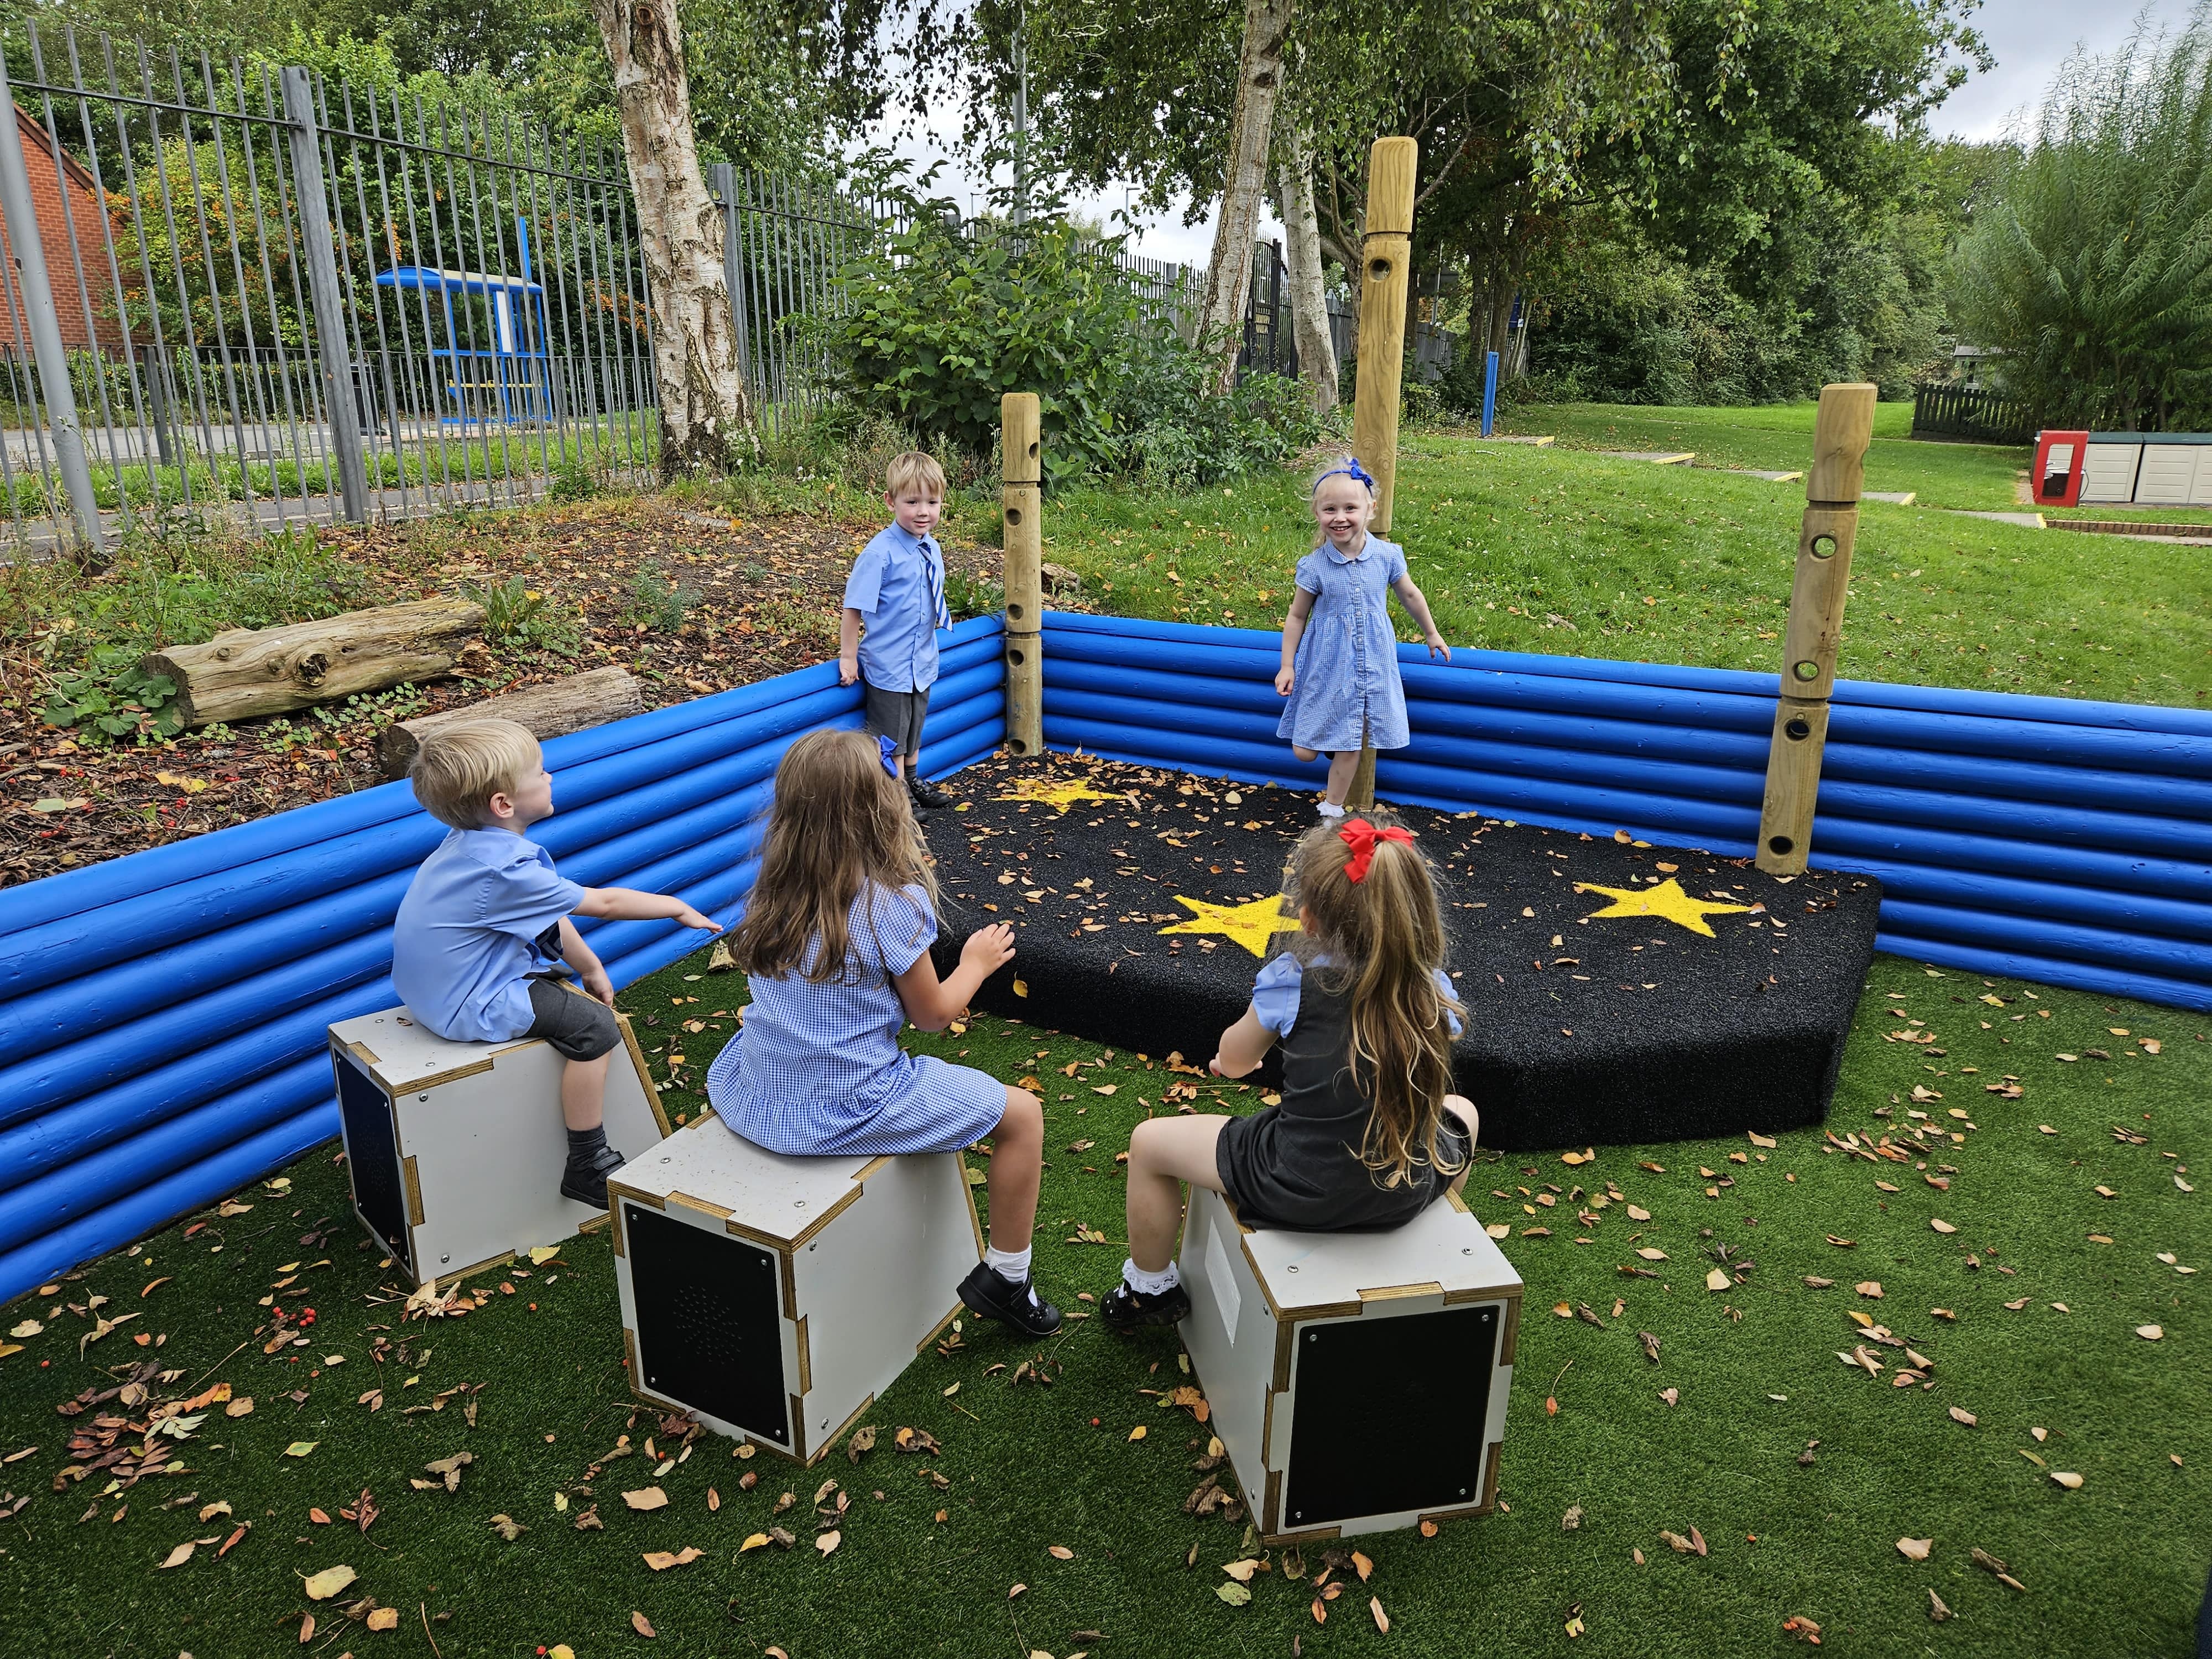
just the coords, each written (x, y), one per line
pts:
(1719, 1279)
(1137, 1433)
(301, 1448)
(661, 1560)
(1060, 1553)
(2067, 1478)
(542, 1254)
(327, 1583)
(1021, 988)
(753, 1542)
(2150, 1333)
(645, 1497)
(1915, 1549)
(1242, 1571)
(1381, 1618)
(384, 1619)
(1941, 1225)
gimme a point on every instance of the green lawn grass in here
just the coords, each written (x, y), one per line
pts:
(1570, 552)
(2115, 1567)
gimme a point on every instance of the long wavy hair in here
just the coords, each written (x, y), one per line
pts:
(840, 821)
(1384, 939)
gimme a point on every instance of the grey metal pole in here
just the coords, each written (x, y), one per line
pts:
(333, 349)
(726, 190)
(46, 329)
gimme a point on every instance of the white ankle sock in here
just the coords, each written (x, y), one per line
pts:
(1012, 1266)
(1330, 810)
(1144, 1284)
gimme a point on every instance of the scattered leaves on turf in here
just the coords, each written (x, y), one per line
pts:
(1915, 1549)
(1235, 1594)
(328, 1582)
(1959, 1415)
(641, 1625)
(645, 1497)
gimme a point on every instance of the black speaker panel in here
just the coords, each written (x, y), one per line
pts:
(709, 1333)
(1389, 1415)
(371, 1144)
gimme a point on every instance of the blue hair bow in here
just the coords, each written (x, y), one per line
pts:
(1351, 468)
(890, 751)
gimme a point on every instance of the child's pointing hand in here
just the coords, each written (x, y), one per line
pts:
(691, 918)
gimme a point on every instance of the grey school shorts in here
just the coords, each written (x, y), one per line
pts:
(895, 714)
(578, 1027)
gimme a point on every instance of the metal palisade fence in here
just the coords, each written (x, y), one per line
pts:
(258, 297)
(265, 295)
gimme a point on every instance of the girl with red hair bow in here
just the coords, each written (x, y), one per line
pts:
(1368, 1133)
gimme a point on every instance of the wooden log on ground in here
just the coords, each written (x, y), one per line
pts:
(272, 670)
(549, 710)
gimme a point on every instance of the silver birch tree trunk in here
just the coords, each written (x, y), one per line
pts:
(703, 413)
(1244, 180)
(1302, 253)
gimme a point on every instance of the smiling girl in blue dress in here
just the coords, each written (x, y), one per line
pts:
(1339, 651)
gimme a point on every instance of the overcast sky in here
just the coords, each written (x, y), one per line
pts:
(2030, 38)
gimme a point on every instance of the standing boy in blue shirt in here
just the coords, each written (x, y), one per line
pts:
(897, 590)
(482, 935)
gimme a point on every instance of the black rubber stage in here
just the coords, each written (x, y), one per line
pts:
(1129, 890)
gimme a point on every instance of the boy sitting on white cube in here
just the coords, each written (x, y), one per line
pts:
(483, 933)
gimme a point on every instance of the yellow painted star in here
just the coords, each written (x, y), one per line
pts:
(1063, 795)
(1666, 901)
(1250, 925)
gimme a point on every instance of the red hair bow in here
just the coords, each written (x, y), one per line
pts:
(1360, 837)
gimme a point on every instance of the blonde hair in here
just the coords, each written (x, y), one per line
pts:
(1343, 464)
(914, 473)
(460, 766)
(839, 821)
(1384, 938)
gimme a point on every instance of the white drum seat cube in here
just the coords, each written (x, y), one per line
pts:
(1357, 1381)
(777, 1297)
(455, 1149)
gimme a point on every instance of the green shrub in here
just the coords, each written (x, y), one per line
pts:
(516, 616)
(946, 321)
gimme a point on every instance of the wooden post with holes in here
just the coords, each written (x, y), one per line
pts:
(1020, 436)
(1840, 434)
(1386, 253)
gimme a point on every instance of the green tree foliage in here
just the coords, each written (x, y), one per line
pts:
(2092, 269)
(945, 319)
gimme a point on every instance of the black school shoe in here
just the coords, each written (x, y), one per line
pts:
(990, 1293)
(585, 1180)
(926, 795)
(1125, 1309)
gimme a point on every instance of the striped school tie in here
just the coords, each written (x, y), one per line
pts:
(936, 570)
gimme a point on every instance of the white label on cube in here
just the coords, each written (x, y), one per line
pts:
(1223, 1281)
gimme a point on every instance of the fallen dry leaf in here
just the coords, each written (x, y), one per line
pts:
(1915, 1549)
(2151, 1332)
(384, 1619)
(328, 1582)
(1941, 1225)
(1381, 1618)
(2067, 1478)
(646, 1498)
(641, 1625)
(1060, 1553)
(1964, 1417)
(829, 1541)
(1937, 1611)
(661, 1560)
(178, 1556)
(1719, 1279)
(1869, 1287)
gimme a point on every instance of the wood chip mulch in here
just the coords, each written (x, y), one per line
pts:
(767, 600)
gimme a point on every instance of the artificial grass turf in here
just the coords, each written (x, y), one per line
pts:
(2115, 1567)
(1599, 1024)
(1561, 551)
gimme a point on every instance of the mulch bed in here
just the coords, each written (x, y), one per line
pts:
(768, 594)
(1617, 992)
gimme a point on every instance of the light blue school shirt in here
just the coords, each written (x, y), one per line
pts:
(468, 934)
(1347, 666)
(1275, 993)
(897, 586)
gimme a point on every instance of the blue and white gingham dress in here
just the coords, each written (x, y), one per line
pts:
(1347, 660)
(817, 1070)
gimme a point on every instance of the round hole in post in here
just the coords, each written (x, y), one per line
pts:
(1013, 610)
(1013, 516)
(1780, 846)
(1805, 671)
(1378, 271)
(1824, 547)
(1798, 730)
(1014, 655)
(1017, 745)
(1033, 449)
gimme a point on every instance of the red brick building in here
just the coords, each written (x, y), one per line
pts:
(84, 213)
